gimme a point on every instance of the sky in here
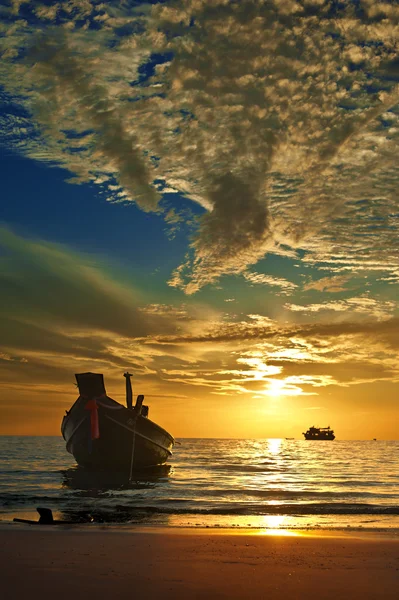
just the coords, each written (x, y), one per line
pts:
(204, 193)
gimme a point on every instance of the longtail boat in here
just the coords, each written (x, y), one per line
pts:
(104, 435)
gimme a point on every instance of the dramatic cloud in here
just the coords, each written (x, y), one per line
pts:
(61, 312)
(279, 118)
(259, 356)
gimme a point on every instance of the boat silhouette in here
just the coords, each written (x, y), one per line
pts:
(104, 435)
(319, 433)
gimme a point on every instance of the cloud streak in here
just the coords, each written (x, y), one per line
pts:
(362, 305)
(332, 285)
(261, 279)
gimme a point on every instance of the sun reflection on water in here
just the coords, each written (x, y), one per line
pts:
(272, 525)
(274, 445)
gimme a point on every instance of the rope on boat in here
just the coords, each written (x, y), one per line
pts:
(132, 458)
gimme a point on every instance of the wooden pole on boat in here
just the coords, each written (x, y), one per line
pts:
(129, 394)
(129, 404)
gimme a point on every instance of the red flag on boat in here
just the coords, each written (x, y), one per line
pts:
(91, 405)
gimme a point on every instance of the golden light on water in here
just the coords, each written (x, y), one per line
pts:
(274, 445)
(280, 532)
(273, 526)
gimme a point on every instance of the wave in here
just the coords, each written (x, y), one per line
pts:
(283, 494)
(171, 506)
(265, 467)
(122, 514)
(311, 509)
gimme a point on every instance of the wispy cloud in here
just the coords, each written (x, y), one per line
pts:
(287, 140)
(47, 283)
(332, 285)
(261, 279)
(362, 305)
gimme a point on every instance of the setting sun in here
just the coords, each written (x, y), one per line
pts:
(276, 388)
(282, 387)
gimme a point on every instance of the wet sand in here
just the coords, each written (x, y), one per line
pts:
(43, 563)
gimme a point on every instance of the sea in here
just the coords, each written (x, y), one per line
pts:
(269, 484)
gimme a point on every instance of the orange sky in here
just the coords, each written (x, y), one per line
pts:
(354, 413)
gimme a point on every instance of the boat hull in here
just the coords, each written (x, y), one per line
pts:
(126, 442)
(319, 437)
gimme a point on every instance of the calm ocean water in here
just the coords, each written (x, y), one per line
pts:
(212, 482)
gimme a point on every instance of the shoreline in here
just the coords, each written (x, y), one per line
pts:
(179, 563)
(127, 528)
(196, 521)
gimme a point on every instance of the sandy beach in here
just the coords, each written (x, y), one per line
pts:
(54, 562)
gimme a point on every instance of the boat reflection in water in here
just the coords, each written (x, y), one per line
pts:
(106, 497)
(81, 479)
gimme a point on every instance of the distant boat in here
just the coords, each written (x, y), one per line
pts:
(290, 438)
(104, 435)
(319, 433)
